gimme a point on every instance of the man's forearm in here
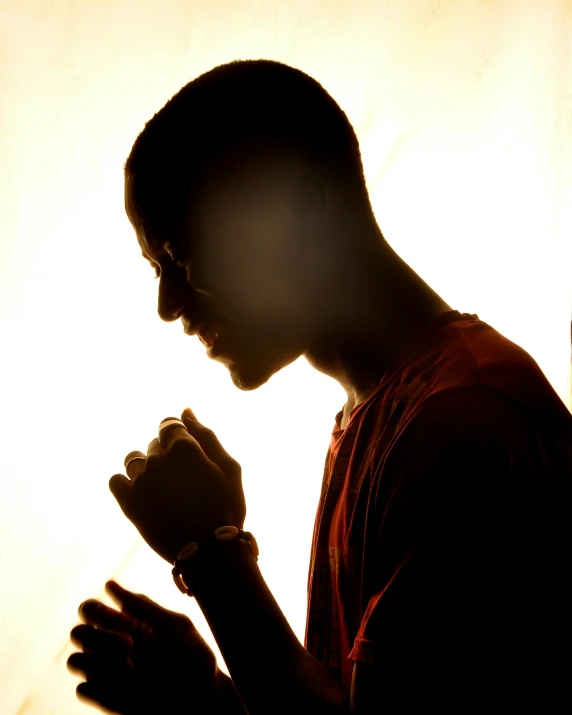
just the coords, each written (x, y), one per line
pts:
(228, 701)
(270, 669)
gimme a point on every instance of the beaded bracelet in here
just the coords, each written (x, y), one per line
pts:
(223, 533)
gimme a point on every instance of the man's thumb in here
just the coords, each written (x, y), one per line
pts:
(207, 440)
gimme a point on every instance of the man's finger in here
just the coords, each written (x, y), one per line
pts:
(104, 694)
(134, 464)
(97, 614)
(96, 640)
(141, 607)
(121, 487)
(94, 667)
(171, 430)
(154, 448)
(80, 664)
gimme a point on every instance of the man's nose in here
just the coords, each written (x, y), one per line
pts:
(170, 300)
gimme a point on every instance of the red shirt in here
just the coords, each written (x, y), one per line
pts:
(442, 527)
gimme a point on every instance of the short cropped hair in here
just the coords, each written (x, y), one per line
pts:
(233, 111)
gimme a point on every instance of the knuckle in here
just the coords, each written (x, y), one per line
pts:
(152, 464)
(182, 447)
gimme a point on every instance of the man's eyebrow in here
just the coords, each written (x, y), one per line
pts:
(167, 247)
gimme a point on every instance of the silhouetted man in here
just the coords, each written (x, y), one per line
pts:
(440, 559)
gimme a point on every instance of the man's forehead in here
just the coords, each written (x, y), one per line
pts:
(152, 244)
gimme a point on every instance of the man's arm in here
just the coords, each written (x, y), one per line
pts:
(439, 635)
(189, 486)
(270, 669)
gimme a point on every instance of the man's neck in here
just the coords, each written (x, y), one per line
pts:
(378, 318)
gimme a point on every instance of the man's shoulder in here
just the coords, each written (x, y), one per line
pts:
(479, 423)
(472, 354)
(483, 411)
(469, 375)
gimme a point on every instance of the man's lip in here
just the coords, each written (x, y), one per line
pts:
(207, 333)
(207, 336)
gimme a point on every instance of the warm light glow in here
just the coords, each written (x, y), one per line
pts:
(463, 111)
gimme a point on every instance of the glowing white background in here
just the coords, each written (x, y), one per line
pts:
(464, 112)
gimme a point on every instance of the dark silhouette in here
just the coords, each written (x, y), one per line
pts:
(440, 570)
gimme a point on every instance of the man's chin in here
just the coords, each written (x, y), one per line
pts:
(247, 380)
(250, 371)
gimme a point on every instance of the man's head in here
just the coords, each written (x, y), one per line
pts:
(237, 190)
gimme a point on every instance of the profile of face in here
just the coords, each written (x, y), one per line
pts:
(241, 274)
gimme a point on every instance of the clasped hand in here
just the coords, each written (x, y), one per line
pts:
(185, 488)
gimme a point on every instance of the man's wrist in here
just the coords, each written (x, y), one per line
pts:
(209, 549)
(215, 561)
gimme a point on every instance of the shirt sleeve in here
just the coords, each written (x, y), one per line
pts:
(460, 512)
